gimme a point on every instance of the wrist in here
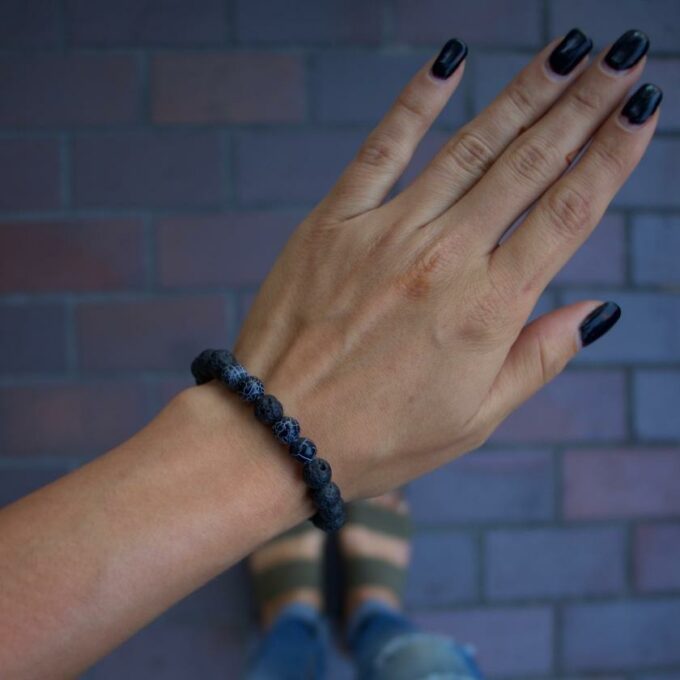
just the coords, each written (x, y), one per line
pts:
(261, 484)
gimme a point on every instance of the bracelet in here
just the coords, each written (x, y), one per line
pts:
(220, 364)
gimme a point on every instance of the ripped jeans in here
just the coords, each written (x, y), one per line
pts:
(383, 643)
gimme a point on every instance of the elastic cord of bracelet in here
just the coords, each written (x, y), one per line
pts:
(220, 364)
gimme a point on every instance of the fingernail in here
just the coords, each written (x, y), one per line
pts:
(627, 50)
(642, 103)
(449, 58)
(598, 322)
(574, 46)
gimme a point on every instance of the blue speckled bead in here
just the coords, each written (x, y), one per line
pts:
(201, 367)
(233, 375)
(303, 449)
(251, 388)
(268, 409)
(316, 473)
(286, 430)
(327, 496)
(330, 519)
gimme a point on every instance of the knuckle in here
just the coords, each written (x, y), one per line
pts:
(378, 151)
(569, 211)
(519, 94)
(487, 317)
(413, 106)
(608, 158)
(470, 153)
(586, 100)
(532, 161)
(417, 281)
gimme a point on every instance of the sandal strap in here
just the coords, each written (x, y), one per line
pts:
(371, 571)
(381, 519)
(289, 575)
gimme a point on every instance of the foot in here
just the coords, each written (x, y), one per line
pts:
(288, 569)
(376, 548)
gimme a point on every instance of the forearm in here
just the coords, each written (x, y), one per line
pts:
(91, 558)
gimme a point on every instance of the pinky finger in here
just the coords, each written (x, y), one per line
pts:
(387, 150)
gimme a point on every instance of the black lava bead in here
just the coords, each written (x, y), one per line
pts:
(286, 430)
(251, 388)
(233, 375)
(316, 473)
(201, 367)
(268, 409)
(330, 519)
(327, 496)
(219, 360)
(303, 449)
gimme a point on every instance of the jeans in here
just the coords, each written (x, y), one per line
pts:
(383, 643)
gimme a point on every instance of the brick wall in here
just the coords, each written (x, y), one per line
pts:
(156, 154)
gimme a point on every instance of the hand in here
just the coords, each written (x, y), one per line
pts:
(395, 331)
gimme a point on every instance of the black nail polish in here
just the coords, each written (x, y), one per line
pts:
(642, 104)
(449, 58)
(598, 322)
(564, 58)
(627, 50)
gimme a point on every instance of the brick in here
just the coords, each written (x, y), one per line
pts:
(71, 255)
(31, 174)
(148, 334)
(29, 24)
(32, 338)
(601, 259)
(69, 419)
(656, 249)
(15, 483)
(443, 570)
(606, 19)
(652, 183)
(657, 555)
(305, 22)
(360, 88)
(486, 486)
(152, 22)
(492, 73)
(66, 90)
(147, 169)
(656, 398)
(634, 634)
(230, 249)
(175, 650)
(661, 676)
(291, 166)
(647, 332)
(576, 406)
(601, 484)
(547, 563)
(513, 641)
(486, 22)
(199, 88)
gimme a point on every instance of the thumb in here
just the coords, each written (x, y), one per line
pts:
(543, 349)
